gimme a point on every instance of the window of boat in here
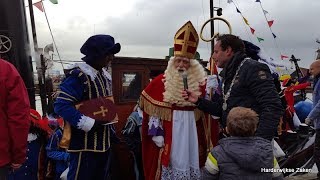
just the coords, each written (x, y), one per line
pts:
(131, 86)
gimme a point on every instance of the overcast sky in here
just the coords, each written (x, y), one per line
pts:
(145, 28)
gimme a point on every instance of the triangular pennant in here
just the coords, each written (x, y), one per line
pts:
(257, 0)
(260, 39)
(39, 5)
(265, 12)
(246, 21)
(238, 11)
(252, 30)
(274, 36)
(270, 23)
(54, 1)
(283, 56)
(229, 1)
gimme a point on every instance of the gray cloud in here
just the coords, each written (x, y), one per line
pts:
(148, 29)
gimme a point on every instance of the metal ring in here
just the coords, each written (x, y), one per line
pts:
(215, 34)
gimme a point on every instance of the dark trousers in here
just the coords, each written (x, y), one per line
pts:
(89, 165)
(316, 153)
(4, 172)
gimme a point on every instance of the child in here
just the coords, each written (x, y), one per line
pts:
(56, 154)
(35, 165)
(241, 156)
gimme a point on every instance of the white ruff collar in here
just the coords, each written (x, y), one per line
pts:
(90, 71)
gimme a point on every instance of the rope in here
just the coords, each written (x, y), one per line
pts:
(54, 42)
(274, 39)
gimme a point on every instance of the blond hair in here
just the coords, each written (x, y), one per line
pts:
(242, 122)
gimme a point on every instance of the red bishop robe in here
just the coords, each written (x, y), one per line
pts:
(151, 103)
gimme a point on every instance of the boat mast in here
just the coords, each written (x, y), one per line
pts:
(39, 62)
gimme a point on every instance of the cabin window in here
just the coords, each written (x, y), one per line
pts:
(131, 86)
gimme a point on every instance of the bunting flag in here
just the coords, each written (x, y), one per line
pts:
(283, 56)
(265, 12)
(270, 23)
(238, 11)
(274, 36)
(229, 1)
(260, 39)
(246, 21)
(39, 5)
(252, 30)
(54, 1)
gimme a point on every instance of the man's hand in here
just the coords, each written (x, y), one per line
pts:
(15, 166)
(308, 121)
(189, 96)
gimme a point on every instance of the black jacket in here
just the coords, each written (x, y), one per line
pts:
(253, 88)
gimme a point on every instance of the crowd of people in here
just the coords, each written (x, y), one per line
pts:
(171, 139)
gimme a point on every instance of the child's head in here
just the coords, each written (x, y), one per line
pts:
(242, 122)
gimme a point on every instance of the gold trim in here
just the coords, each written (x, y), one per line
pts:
(66, 136)
(86, 140)
(79, 163)
(104, 138)
(87, 150)
(158, 172)
(72, 97)
(161, 109)
(153, 101)
(67, 99)
(151, 109)
(95, 141)
(102, 85)
(80, 74)
(109, 143)
(97, 90)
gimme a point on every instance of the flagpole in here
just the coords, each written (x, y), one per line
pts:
(33, 26)
(210, 63)
(37, 58)
(212, 24)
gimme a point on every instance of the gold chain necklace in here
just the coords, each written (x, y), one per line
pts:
(227, 95)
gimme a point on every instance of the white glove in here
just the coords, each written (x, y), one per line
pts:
(158, 140)
(212, 82)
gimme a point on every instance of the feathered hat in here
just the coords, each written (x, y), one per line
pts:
(38, 122)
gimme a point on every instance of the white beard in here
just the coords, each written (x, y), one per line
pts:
(173, 82)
